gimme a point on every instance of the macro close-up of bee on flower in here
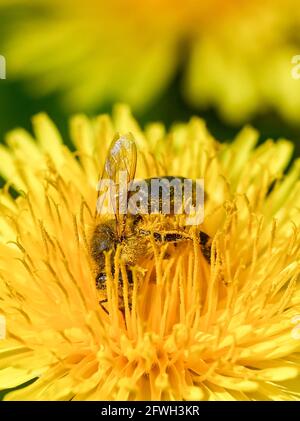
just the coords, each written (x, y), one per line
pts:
(149, 217)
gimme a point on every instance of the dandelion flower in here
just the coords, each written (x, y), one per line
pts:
(236, 56)
(194, 331)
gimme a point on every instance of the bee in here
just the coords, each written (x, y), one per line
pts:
(130, 230)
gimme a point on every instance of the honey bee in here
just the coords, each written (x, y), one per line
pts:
(130, 230)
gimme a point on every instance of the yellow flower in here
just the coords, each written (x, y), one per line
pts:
(219, 331)
(238, 54)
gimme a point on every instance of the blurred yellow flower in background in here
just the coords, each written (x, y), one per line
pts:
(219, 331)
(236, 55)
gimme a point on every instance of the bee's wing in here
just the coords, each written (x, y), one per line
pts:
(119, 170)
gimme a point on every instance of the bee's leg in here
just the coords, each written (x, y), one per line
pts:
(101, 284)
(168, 238)
(129, 276)
(173, 238)
(120, 288)
(204, 241)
